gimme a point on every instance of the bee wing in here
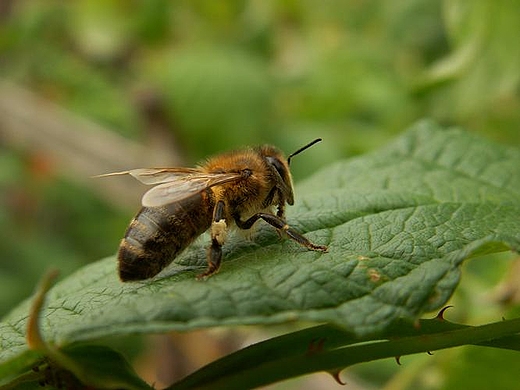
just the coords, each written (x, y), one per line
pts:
(184, 186)
(155, 175)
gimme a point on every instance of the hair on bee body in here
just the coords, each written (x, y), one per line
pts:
(233, 189)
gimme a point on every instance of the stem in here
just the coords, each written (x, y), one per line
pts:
(281, 368)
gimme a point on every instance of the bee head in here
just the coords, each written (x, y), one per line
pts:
(279, 167)
(279, 171)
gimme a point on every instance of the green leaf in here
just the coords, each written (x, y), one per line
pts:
(78, 366)
(103, 368)
(398, 223)
(91, 366)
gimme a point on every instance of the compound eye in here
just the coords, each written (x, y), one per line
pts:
(280, 168)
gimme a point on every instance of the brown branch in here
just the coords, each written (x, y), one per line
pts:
(78, 148)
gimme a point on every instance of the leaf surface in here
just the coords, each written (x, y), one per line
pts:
(398, 223)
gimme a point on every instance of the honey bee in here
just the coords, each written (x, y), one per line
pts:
(236, 188)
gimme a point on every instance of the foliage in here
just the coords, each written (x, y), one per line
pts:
(398, 223)
(216, 75)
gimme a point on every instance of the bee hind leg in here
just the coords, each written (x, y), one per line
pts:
(218, 237)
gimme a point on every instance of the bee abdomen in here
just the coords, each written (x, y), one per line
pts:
(157, 235)
(134, 262)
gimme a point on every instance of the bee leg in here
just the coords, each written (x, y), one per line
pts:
(268, 201)
(280, 213)
(214, 259)
(218, 237)
(280, 207)
(282, 226)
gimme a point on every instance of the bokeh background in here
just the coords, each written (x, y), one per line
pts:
(94, 86)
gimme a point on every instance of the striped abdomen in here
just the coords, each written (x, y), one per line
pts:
(157, 235)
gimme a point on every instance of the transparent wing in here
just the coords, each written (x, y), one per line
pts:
(156, 175)
(179, 187)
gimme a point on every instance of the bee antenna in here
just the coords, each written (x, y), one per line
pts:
(302, 149)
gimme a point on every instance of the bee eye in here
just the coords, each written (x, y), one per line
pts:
(280, 168)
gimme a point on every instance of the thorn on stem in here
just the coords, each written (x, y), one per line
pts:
(337, 378)
(440, 315)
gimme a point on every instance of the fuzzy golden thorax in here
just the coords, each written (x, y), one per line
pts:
(266, 181)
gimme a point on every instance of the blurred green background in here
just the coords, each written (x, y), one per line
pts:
(92, 86)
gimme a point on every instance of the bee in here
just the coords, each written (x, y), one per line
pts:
(232, 189)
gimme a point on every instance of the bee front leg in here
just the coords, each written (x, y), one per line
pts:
(282, 227)
(280, 213)
(218, 237)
